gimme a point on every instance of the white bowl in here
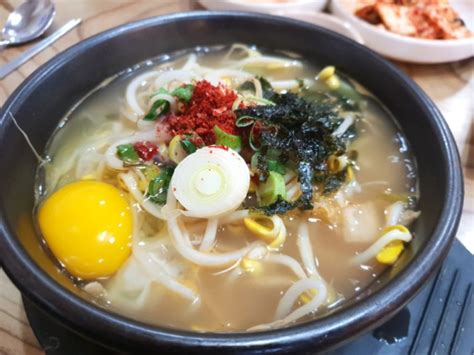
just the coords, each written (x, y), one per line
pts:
(324, 20)
(265, 7)
(404, 48)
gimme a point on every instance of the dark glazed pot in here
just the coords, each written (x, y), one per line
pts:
(44, 98)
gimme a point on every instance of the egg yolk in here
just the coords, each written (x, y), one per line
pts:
(88, 226)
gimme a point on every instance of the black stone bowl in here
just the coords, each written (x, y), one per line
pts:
(47, 95)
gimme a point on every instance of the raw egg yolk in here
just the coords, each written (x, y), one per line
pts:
(88, 226)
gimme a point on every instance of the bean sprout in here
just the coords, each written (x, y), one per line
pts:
(375, 248)
(293, 293)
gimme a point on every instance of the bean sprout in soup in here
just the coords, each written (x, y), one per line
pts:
(227, 189)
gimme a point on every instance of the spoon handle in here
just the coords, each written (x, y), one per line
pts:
(34, 50)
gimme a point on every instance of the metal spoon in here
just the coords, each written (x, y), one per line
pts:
(27, 22)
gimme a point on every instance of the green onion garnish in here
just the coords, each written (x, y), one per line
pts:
(127, 154)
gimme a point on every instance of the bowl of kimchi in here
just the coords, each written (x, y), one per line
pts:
(421, 31)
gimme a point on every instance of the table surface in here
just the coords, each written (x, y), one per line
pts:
(451, 86)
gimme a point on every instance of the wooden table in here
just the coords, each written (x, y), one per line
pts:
(451, 86)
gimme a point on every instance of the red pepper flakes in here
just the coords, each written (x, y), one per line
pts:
(145, 150)
(209, 106)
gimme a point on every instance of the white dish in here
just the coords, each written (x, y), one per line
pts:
(265, 7)
(324, 20)
(407, 48)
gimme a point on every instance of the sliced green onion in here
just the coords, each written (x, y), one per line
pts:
(229, 140)
(158, 187)
(270, 190)
(244, 121)
(159, 107)
(236, 103)
(272, 164)
(160, 91)
(150, 171)
(275, 165)
(127, 154)
(176, 150)
(188, 146)
(184, 93)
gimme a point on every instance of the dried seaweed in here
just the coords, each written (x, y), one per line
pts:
(302, 129)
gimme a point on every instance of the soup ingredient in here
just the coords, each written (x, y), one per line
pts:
(176, 151)
(303, 132)
(361, 223)
(300, 289)
(145, 150)
(210, 106)
(389, 255)
(88, 226)
(270, 229)
(134, 154)
(337, 164)
(327, 72)
(158, 187)
(272, 189)
(163, 101)
(212, 181)
(304, 246)
(127, 154)
(263, 164)
(329, 77)
(123, 153)
(160, 105)
(129, 181)
(428, 19)
(184, 93)
(188, 146)
(227, 139)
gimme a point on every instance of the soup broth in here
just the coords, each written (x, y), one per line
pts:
(282, 253)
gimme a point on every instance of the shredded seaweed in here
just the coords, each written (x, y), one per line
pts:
(334, 182)
(305, 177)
(280, 206)
(301, 128)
